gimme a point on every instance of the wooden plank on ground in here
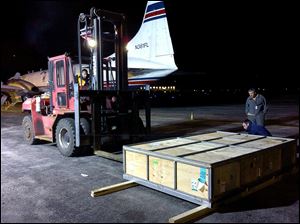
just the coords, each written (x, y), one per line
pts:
(192, 214)
(109, 155)
(112, 188)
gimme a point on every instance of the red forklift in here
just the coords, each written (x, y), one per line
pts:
(101, 116)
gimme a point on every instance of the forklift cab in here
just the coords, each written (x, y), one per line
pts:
(64, 73)
(60, 83)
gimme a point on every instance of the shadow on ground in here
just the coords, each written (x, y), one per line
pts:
(283, 193)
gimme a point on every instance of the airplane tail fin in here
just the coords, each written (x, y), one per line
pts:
(152, 47)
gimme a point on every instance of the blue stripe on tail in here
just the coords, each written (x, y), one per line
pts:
(155, 6)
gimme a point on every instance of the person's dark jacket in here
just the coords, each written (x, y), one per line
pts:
(255, 129)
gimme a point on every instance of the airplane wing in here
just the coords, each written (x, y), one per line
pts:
(8, 88)
(10, 94)
(16, 90)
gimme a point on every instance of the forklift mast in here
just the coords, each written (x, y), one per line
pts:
(94, 25)
(100, 30)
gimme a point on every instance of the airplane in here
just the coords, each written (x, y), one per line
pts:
(16, 90)
(150, 52)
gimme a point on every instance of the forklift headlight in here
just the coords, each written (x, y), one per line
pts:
(91, 42)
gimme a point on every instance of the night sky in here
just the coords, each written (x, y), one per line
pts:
(232, 42)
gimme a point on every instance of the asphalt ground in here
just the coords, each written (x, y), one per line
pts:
(38, 184)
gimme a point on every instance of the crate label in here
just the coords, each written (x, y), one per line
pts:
(155, 162)
(202, 177)
(197, 185)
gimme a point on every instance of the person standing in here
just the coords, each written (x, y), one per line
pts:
(256, 107)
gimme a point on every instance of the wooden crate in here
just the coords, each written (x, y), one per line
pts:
(166, 143)
(205, 168)
(288, 154)
(224, 176)
(210, 136)
(236, 139)
(138, 161)
(251, 168)
(279, 153)
(136, 164)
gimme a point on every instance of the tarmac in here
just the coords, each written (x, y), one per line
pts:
(38, 184)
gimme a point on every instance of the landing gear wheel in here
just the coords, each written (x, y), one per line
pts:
(28, 131)
(65, 137)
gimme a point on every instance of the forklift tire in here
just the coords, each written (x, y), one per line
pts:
(85, 128)
(28, 132)
(85, 125)
(65, 137)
